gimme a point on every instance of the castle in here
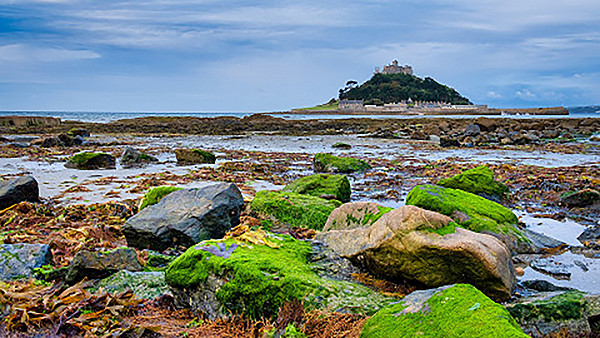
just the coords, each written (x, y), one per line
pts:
(395, 69)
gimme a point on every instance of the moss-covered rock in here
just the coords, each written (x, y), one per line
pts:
(452, 311)
(582, 198)
(341, 145)
(145, 285)
(479, 181)
(294, 209)
(155, 194)
(194, 156)
(329, 163)
(355, 215)
(322, 184)
(91, 161)
(132, 157)
(254, 279)
(469, 210)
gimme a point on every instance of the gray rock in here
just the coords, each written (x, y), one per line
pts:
(186, 217)
(18, 260)
(133, 157)
(435, 139)
(18, 190)
(544, 286)
(551, 266)
(145, 285)
(101, 264)
(472, 130)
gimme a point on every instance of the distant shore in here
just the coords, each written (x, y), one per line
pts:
(436, 111)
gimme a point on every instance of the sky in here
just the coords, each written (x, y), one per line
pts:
(246, 56)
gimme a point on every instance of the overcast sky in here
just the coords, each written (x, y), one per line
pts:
(208, 55)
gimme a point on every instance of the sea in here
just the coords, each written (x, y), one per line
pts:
(108, 116)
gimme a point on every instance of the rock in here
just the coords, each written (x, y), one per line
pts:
(484, 216)
(326, 263)
(186, 217)
(479, 181)
(426, 247)
(157, 261)
(155, 194)
(23, 121)
(553, 313)
(419, 135)
(355, 215)
(449, 142)
(590, 237)
(91, 161)
(320, 184)
(519, 271)
(62, 140)
(292, 209)
(79, 132)
(582, 198)
(145, 285)
(341, 145)
(18, 190)
(472, 130)
(133, 157)
(435, 139)
(194, 156)
(254, 280)
(101, 264)
(543, 286)
(550, 266)
(486, 124)
(329, 163)
(539, 243)
(17, 261)
(550, 133)
(450, 311)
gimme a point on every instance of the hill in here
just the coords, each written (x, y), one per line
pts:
(388, 88)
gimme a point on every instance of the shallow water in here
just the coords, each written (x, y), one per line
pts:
(565, 231)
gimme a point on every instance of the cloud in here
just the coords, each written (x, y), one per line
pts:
(27, 53)
(525, 94)
(493, 95)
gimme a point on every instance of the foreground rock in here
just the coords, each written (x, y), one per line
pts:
(186, 217)
(145, 285)
(17, 261)
(101, 264)
(18, 190)
(450, 311)
(479, 181)
(292, 209)
(355, 215)
(255, 273)
(572, 314)
(334, 164)
(426, 247)
(132, 157)
(321, 185)
(194, 156)
(91, 161)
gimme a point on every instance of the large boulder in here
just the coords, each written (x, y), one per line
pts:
(132, 157)
(101, 264)
(91, 161)
(18, 190)
(469, 210)
(321, 185)
(479, 181)
(18, 261)
(453, 311)
(292, 209)
(194, 156)
(186, 217)
(254, 273)
(355, 215)
(334, 164)
(427, 247)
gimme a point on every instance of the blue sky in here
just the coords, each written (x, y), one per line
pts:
(207, 55)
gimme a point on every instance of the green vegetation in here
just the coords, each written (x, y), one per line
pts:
(260, 278)
(294, 209)
(155, 194)
(479, 181)
(157, 261)
(330, 163)
(484, 215)
(322, 184)
(388, 88)
(84, 157)
(331, 105)
(194, 156)
(566, 306)
(458, 311)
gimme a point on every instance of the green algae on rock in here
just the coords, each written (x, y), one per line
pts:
(330, 163)
(194, 156)
(452, 311)
(322, 184)
(355, 215)
(145, 285)
(155, 194)
(91, 161)
(219, 277)
(294, 209)
(479, 181)
(469, 210)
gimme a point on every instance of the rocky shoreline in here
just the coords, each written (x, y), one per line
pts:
(266, 227)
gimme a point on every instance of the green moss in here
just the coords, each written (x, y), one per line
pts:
(458, 311)
(329, 163)
(485, 215)
(479, 181)
(207, 155)
(84, 157)
(448, 229)
(369, 218)
(155, 194)
(48, 273)
(259, 278)
(341, 145)
(566, 306)
(157, 262)
(322, 184)
(294, 209)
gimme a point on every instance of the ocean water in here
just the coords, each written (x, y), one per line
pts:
(105, 117)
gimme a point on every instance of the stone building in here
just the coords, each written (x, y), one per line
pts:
(394, 68)
(352, 105)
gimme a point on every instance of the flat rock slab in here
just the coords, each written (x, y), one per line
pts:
(18, 260)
